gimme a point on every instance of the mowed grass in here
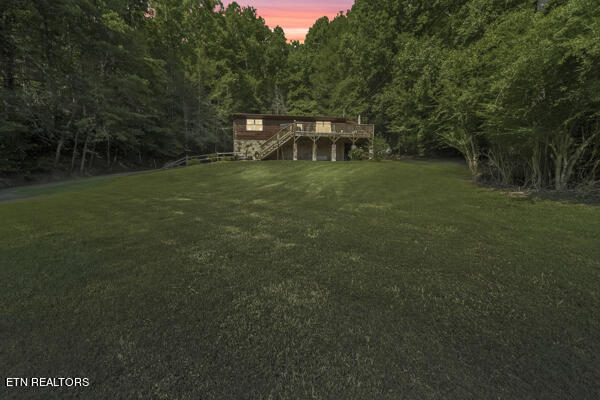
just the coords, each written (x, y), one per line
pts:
(283, 280)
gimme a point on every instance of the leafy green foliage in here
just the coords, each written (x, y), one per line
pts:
(111, 84)
(515, 91)
(357, 154)
(380, 148)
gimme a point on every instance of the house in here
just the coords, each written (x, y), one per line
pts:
(288, 137)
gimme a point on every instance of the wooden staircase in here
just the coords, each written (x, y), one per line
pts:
(276, 141)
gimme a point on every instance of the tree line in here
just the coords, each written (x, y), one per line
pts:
(116, 84)
(510, 85)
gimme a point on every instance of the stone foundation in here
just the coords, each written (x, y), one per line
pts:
(249, 148)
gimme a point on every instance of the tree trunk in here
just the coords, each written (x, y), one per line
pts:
(467, 145)
(566, 157)
(93, 155)
(84, 152)
(8, 54)
(74, 155)
(61, 141)
(59, 147)
(108, 151)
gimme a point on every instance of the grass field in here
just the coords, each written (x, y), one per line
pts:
(286, 280)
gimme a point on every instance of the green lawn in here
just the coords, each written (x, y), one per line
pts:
(301, 280)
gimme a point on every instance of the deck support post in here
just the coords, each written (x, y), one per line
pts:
(295, 151)
(334, 152)
(314, 153)
(371, 149)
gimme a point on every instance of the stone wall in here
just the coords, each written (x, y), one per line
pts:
(247, 147)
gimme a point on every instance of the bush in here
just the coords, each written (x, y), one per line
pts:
(407, 145)
(194, 161)
(380, 148)
(357, 154)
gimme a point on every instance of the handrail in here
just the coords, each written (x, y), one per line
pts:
(336, 129)
(275, 141)
(351, 131)
(276, 136)
(356, 133)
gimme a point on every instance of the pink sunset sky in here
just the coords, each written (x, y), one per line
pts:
(295, 16)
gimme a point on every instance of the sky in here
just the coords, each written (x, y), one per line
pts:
(295, 16)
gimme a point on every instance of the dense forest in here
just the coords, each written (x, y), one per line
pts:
(511, 85)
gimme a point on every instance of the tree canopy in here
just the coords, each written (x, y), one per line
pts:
(510, 85)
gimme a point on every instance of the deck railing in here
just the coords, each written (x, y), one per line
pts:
(313, 130)
(341, 130)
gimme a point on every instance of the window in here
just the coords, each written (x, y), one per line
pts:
(323, 127)
(254, 124)
(299, 127)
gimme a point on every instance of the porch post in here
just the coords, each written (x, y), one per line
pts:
(278, 146)
(334, 151)
(295, 150)
(314, 155)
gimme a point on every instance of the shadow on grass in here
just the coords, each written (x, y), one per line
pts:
(590, 198)
(28, 192)
(73, 185)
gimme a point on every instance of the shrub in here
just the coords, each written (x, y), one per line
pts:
(407, 145)
(194, 161)
(380, 148)
(357, 154)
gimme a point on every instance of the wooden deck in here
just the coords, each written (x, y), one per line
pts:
(334, 132)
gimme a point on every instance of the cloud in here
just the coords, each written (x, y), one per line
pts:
(293, 16)
(296, 33)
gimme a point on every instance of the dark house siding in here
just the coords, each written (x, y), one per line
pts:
(270, 127)
(272, 124)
